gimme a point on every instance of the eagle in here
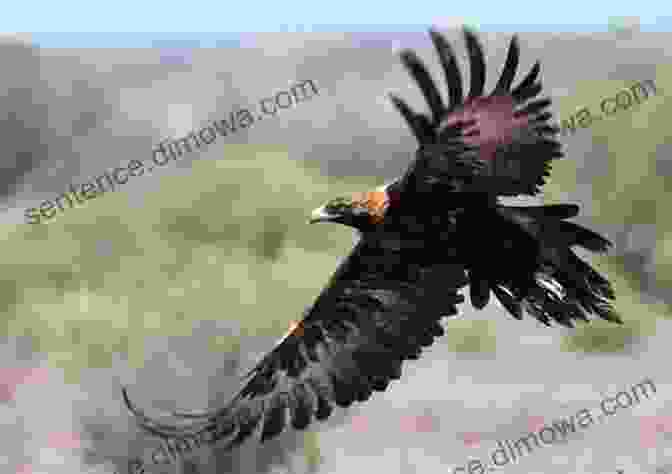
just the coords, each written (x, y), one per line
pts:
(423, 238)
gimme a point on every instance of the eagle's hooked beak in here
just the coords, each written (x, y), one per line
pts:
(321, 215)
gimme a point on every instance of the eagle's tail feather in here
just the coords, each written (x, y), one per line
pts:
(543, 275)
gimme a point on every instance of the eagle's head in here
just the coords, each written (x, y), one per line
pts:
(359, 210)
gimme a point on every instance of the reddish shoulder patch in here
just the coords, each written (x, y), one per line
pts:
(495, 122)
(296, 328)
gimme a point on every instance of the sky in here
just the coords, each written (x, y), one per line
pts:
(209, 16)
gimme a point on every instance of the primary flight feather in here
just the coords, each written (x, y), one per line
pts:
(508, 142)
(423, 237)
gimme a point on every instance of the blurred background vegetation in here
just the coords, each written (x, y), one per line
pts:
(230, 242)
(630, 190)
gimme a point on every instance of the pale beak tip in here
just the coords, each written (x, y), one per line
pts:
(319, 215)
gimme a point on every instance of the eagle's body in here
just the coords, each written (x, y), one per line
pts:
(423, 237)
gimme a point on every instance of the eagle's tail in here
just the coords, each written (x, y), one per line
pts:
(531, 266)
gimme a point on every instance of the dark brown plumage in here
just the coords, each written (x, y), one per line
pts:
(423, 237)
(381, 307)
(507, 142)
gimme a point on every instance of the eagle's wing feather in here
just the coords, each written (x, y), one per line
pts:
(380, 308)
(508, 141)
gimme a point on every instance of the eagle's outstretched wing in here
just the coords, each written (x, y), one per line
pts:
(479, 148)
(380, 308)
(503, 142)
